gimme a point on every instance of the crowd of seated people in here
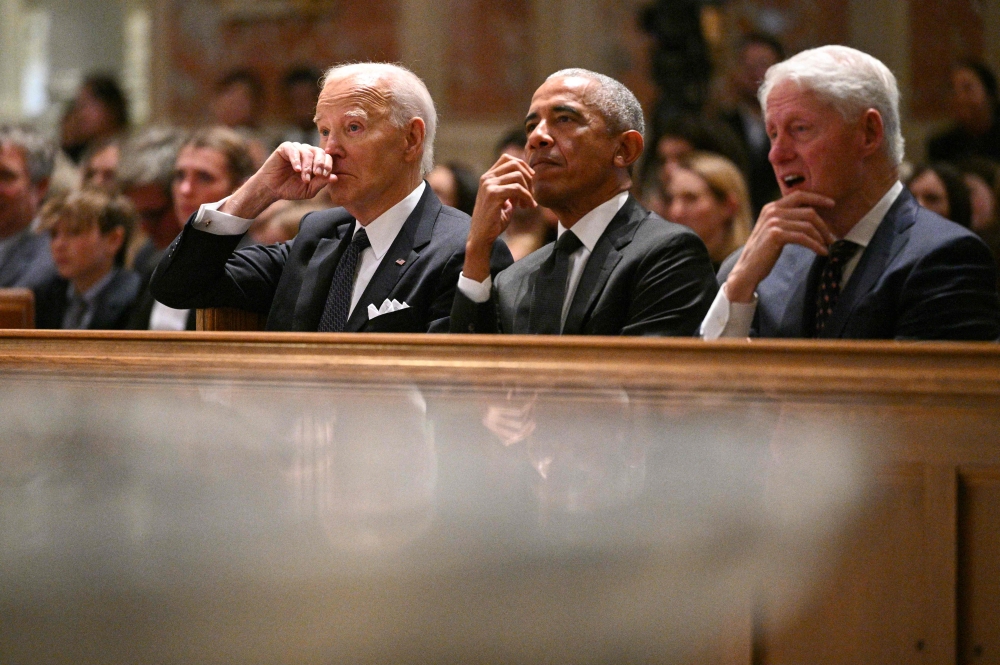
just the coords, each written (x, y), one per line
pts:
(137, 191)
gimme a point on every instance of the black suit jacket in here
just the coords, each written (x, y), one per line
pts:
(921, 277)
(289, 282)
(112, 308)
(27, 263)
(646, 276)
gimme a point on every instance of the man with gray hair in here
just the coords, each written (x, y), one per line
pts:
(616, 268)
(846, 252)
(26, 161)
(386, 260)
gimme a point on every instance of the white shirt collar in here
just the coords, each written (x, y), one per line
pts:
(865, 228)
(383, 229)
(591, 226)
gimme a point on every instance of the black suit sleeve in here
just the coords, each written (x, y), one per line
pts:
(472, 317)
(951, 294)
(674, 288)
(200, 270)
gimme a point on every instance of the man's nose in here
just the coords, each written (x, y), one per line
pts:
(780, 150)
(539, 136)
(185, 186)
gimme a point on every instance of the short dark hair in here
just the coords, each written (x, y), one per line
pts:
(107, 91)
(301, 74)
(516, 136)
(246, 77)
(762, 39)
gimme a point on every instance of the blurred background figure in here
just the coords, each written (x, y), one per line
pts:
(939, 187)
(146, 174)
(280, 222)
(529, 229)
(210, 165)
(99, 165)
(97, 113)
(756, 53)
(26, 161)
(709, 195)
(976, 130)
(982, 177)
(89, 231)
(238, 103)
(300, 91)
(455, 184)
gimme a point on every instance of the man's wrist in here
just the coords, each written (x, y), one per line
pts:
(737, 291)
(248, 201)
(477, 260)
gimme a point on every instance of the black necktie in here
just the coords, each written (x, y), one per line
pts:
(828, 291)
(550, 287)
(338, 301)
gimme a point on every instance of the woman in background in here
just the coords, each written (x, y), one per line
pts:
(709, 195)
(940, 187)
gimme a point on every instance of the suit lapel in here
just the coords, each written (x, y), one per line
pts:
(606, 255)
(795, 319)
(883, 247)
(414, 235)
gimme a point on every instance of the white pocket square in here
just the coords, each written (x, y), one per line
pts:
(387, 306)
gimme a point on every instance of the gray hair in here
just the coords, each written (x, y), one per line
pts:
(148, 158)
(618, 105)
(39, 154)
(850, 80)
(408, 99)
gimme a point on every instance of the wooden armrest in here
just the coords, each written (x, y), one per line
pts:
(229, 318)
(17, 308)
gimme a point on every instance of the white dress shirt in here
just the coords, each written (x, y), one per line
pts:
(734, 319)
(381, 231)
(588, 229)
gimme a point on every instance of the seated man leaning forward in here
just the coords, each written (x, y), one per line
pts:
(616, 269)
(387, 261)
(846, 252)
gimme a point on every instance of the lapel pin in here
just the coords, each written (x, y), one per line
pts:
(400, 262)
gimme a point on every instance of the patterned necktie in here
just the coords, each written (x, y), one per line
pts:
(828, 291)
(550, 287)
(338, 301)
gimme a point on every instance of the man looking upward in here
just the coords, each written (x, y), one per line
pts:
(616, 269)
(390, 242)
(847, 252)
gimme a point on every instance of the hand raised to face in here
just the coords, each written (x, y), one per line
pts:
(505, 186)
(294, 171)
(790, 219)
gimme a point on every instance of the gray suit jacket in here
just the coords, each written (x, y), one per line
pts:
(646, 276)
(28, 262)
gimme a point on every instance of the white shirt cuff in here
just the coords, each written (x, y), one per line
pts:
(475, 291)
(210, 220)
(728, 319)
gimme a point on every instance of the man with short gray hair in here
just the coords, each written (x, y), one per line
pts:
(616, 268)
(846, 252)
(386, 260)
(26, 162)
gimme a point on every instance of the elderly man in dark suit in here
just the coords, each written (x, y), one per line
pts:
(616, 269)
(387, 260)
(847, 252)
(25, 166)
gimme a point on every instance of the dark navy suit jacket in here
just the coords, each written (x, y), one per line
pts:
(28, 262)
(289, 282)
(112, 308)
(921, 277)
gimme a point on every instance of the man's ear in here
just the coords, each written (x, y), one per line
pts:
(414, 139)
(630, 146)
(873, 132)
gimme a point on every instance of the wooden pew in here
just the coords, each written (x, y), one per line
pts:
(17, 308)
(228, 319)
(918, 572)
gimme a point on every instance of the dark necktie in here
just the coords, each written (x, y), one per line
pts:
(828, 291)
(338, 301)
(75, 313)
(550, 287)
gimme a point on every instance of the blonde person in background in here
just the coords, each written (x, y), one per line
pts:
(709, 195)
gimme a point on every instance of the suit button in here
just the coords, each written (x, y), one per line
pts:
(472, 327)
